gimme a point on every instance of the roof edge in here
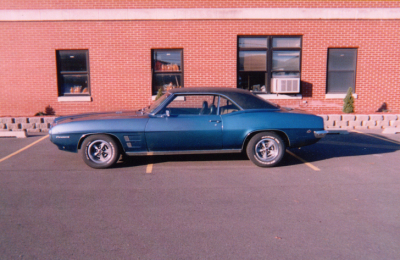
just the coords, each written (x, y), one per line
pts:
(199, 14)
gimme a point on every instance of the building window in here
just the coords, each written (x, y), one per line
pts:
(167, 69)
(261, 59)
(73, 73)
(341, 70)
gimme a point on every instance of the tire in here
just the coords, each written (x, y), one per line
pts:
(266, 149)
(100, 151)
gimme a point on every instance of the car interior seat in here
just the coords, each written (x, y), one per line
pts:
(213, 110)
(204, 108)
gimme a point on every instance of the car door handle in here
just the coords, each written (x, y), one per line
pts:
(215, 121)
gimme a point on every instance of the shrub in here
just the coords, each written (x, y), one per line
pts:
(48, 111)
(159, 93)
(348, 106)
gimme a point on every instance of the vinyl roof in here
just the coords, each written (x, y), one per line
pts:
(244, 98)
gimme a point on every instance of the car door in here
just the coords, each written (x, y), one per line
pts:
(187, 123)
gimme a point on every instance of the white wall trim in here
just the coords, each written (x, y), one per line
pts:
(75, 99)
(199, 14)
(339, 96)
(280, 96)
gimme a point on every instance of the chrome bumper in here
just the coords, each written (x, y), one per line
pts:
(320, 134)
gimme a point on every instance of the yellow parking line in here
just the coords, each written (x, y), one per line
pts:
(377, 137)
(315, 168)
(149, 168)
(23, 149)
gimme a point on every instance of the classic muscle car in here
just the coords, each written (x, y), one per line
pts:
(189, 120)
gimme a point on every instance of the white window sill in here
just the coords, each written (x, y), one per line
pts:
(280, 96)
(75, 99)
(338, 96)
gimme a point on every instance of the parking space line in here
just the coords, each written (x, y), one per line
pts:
(315, 168)
(149, 168)
(377, 137)
(23, 149)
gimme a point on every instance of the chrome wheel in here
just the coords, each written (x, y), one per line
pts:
(266, 149)
(100, 151)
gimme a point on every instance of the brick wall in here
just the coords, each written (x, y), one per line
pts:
(120, 55)
(99, 4)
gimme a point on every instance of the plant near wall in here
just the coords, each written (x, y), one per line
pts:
(40, 113)
(383, 108)
(348, 106)
(48, 111)
(159, 93)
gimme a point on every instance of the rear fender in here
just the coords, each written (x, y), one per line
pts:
(282, 134)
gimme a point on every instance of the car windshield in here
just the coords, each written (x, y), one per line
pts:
(155, 104)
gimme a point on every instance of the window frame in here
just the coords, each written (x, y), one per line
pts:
(155, 72)
(62, 73)
(185, 97)
(327, 92)
(217, 98)
(269, 52)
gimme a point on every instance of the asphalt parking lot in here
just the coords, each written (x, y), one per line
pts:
(337, 199)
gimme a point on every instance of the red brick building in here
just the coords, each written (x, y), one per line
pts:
(95, 55)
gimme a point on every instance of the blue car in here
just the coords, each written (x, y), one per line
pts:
(189, 120)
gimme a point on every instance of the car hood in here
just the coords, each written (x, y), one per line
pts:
(101, 116)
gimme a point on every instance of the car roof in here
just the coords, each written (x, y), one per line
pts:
(244, 98)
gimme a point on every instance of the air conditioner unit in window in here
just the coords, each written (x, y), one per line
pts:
(285, 85)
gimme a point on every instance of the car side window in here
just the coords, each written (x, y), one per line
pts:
(193, 105)
(226, 106)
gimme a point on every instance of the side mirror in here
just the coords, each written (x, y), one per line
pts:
(167, 113)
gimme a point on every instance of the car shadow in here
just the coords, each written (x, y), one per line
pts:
(352, 144)
(331, 146)
(130, 161)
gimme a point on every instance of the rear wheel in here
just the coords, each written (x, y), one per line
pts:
(265, 149)
(100, 151)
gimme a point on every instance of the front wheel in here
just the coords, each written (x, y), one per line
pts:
(265, 149)
(100, 151)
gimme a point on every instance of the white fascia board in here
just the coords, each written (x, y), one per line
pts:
(199, 14)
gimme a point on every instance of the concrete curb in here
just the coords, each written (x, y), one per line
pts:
(391, 130)
(17, 134)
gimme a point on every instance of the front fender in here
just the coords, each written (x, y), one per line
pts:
(128, 132)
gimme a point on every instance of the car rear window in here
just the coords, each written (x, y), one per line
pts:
(251, 101)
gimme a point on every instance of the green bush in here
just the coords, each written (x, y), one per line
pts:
(348, 106)
(48, 111)
(159, 93)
